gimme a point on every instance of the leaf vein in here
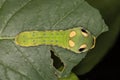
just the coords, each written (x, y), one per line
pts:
(67, 14)
(3, 4)
(3, 28)
(14, 70)
(28, 60)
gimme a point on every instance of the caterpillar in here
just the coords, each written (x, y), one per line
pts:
(76, 39)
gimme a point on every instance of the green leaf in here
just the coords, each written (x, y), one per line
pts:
(35, 63)
(95, 56)
(105, 41)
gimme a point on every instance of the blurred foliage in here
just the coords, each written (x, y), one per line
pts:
(111, 14)
(110, 9)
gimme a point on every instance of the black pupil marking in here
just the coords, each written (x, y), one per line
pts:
(93, 43)
(81, 49)
(83, 30)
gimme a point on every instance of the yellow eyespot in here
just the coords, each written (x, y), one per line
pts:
(71, 43)
(84, 32)
(72, 34)
(83, 48)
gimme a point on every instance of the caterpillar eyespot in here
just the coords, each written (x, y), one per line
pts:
(76, 39)
(83, 48)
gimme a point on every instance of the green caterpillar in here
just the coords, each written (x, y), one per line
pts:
(76, 39)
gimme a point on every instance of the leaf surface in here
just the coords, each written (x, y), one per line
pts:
(35, 63)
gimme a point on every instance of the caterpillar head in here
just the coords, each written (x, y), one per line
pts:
(81, 40)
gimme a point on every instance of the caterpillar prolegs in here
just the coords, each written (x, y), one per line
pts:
(76, 39)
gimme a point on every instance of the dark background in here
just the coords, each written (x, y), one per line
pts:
(109, 67)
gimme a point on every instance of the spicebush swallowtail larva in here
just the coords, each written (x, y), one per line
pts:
(76, 39)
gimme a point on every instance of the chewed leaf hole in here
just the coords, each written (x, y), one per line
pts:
(57, 63)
